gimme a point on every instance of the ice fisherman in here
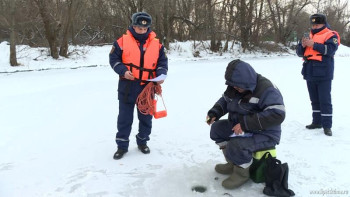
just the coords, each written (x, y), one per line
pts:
(255, 111)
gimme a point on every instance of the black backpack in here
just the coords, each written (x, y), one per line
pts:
(276, 177)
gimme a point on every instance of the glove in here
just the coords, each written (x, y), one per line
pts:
(210, 117)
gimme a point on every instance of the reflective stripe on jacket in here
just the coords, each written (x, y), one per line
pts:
(131, 56)
(320, 37)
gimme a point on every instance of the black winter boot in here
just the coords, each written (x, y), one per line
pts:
(313, 126)
(119, 154)
(144, 149)
(327, 131)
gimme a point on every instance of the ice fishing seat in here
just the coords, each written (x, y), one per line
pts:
(257, 169)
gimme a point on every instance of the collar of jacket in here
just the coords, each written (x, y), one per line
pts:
(139, 37)
(315, 31)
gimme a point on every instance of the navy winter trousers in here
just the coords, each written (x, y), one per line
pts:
(239, 150)
(127, 94)
(321, 102)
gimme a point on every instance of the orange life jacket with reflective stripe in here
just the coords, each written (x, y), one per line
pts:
(320, 37)
(132, 55)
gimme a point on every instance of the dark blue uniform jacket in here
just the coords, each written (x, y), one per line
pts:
(319, 70)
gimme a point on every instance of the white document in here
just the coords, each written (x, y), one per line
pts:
(242, 135)
(159, 78)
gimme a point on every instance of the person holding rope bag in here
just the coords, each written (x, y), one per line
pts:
(136, 57)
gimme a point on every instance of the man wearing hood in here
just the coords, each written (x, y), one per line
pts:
(255, 111)
(136, 57)
(318, 49)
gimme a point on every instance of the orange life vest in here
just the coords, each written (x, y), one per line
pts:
(320, 37)
(132, 55)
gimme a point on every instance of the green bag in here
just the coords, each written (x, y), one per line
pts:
(257, 169)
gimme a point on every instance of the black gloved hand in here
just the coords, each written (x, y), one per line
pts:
(210, 117)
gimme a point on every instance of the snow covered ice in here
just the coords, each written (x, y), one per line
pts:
(57, 129)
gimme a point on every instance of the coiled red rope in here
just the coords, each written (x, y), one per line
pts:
(145, 99)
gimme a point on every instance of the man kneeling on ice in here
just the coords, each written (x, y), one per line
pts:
(255, 112)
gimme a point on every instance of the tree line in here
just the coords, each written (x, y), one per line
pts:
(59, 23)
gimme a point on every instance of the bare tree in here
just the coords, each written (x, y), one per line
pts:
(256, 34)
(167, 22)
(13, 54)
(210, 10)
(72, 6)
(230, 20)
(51, 24)
(8, 19)
(245, 12)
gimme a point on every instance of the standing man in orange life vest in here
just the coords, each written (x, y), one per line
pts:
(136, 57)
(318, 49)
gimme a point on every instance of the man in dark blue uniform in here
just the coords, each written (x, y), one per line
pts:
(255, 111)
(136, 57)
(318, 49)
